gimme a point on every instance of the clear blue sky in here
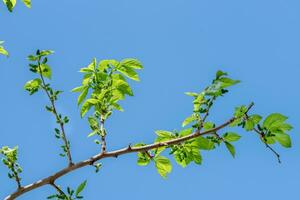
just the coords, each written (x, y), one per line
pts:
(181, 44)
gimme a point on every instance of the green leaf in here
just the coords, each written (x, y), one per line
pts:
(27, 3)
(163, 165)
(117, 107)
(143, 159)
(204, 143)
(231, 137)
(85, 108)
(230, 148)
(283, 139)
(273, 119)
(189, 120)
(33, 86)
(45, 70)
(80, 188)
(208, 125)
(78, 89)
(186, 132)
(220, 73)
(105, 64)
(90, 68)
(82, 96)
(251, 122)
(129, 72)
(92, 133)
(192, 94)
(46, 52)
(227, 82)
(3, 51)
(131, 63)
(163, 135)
(10, 4)
(93, 123)
(119, 83)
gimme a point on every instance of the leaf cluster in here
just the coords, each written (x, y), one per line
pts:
(10, 157)
(70, 194)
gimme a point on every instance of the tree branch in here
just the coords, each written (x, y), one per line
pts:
(51, 179)
(56, 115)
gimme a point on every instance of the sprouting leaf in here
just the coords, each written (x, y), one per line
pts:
(189, 120)
(80, 188)
(163, 166)
(27, 3)
(231, 137)
(230, 148)
(131, 63)
(82, 96)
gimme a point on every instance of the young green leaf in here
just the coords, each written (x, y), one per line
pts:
(163, 166)
(273, 119)
(208, 125)
(283, 139)
(189, 120)
(131, 63)
(2, 50)
(231, 137)
(204, 143)
(82, 96)
(45, 70)
(85, 108)
(10, 4)
(230, 148)
(33, 86)
(80, 188)
(27, 3)
(251, 122)
(129, 72)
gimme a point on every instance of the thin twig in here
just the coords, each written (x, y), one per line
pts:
(57, 116)
(262, 135)
(57, 188)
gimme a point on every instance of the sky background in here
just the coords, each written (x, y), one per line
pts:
(182, 43)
